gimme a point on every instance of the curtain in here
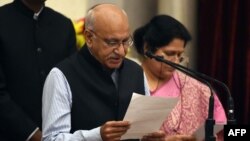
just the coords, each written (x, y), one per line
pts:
(224, 49)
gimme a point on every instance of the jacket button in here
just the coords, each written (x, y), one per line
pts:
(39, 50)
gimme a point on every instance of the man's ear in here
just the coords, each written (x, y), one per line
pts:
(88, 38)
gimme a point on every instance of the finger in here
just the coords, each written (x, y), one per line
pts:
(117, 123)
(180, 138)
(147, 138)
(115, 135)
(186, 138)
(115, 126)
(158, 134)
(112, 136)
(120, 129)
(112, 129)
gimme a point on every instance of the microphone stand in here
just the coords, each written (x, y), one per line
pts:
(230, 102)
(209, 125)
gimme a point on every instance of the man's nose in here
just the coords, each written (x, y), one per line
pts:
(121, 50)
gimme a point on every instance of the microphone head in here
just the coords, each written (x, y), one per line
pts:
(149, 54)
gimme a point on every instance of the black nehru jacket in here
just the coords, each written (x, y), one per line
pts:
(29, 48)
(95, 97)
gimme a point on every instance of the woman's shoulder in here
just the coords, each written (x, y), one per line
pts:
(190, 82)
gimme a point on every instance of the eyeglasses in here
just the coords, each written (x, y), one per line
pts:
(172, 56)
(114, 43)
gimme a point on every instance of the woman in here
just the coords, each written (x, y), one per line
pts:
(166, 37)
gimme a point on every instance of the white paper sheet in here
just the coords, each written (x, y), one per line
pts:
(146, 114)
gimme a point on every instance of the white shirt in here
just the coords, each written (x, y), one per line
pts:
(56, 110)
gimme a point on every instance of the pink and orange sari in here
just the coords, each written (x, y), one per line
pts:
(192, 109)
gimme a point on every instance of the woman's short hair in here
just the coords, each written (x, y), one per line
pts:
(160, 31)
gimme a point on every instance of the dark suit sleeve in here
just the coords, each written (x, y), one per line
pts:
(13, 121)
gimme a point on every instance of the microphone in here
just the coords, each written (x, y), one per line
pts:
(209, 129)
(230, 102)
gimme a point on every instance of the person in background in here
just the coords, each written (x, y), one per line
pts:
(86, 96)
(166, 37)
(33, 38)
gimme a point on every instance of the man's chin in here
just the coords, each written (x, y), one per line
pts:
(114, 65)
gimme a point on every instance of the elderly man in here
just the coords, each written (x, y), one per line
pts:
(86, 96)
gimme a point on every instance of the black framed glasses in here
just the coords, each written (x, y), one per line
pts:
(172, 56)
(114, 43)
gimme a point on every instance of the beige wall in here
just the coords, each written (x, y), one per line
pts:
(73, 9)
(2, 2)
(185, 12)
(139, 12)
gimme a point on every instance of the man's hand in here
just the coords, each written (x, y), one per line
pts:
(156, 136)
(37, 136)
(113, 130)
(180, 138)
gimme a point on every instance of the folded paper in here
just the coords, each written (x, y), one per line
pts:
(146, 114)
